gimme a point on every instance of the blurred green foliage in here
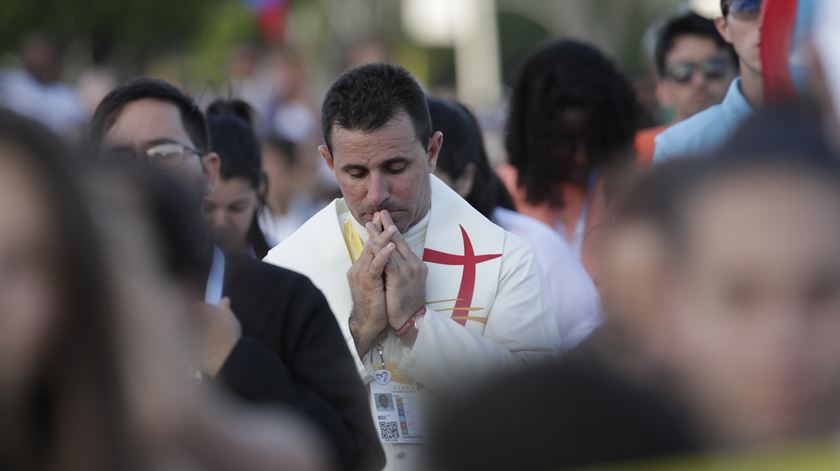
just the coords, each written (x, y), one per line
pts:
(194, 39)
(229, 25)
(142, 27)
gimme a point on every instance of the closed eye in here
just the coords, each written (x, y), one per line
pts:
(396, 167)
(239, 206)
(356, 172)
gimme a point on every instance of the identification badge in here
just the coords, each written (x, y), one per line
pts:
(396, 407)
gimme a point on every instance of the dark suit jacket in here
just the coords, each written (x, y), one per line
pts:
(293, 353)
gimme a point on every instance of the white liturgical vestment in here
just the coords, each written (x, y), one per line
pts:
(486, 306)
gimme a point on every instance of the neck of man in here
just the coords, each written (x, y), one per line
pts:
(421, 218)
(752, 85)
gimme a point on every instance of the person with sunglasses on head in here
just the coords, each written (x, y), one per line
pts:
(694, 68)
(740, 26)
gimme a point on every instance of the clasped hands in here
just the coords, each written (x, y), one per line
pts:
(387, 283)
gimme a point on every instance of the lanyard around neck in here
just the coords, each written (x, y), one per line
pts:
(216, 279)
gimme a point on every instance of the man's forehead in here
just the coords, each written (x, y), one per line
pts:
(397, 138)
(736, 204)
(147, 120)
(693, 47)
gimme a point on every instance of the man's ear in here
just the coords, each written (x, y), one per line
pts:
(210, 164)
(327, 155)
(435, 145)
(723, 28)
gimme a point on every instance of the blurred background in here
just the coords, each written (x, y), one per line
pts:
(280, 55)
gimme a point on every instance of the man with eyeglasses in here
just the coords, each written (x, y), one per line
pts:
(265, 334)
(740, 26)
(694, 68)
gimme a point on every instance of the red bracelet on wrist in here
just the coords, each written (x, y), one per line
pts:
(411, 322)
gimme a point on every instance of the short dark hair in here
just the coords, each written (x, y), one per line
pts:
(463, 144)
(365, 98)
(568, 97)
(724, 7)
(195, 124)
(688, 24)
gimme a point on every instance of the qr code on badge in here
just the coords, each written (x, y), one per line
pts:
(389, 431)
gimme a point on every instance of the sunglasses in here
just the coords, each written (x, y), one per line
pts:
(162, 156)
(712, 69)
(744, 10)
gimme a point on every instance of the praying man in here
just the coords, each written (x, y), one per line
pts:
(427, 291)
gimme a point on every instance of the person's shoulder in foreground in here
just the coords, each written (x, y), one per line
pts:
(706, 129)
(284, 312)
(575, 411)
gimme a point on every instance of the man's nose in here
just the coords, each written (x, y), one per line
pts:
(698, 78)
(378, 191)
(218, 218)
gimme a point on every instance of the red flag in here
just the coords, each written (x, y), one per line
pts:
(270, 16)
(777, 27)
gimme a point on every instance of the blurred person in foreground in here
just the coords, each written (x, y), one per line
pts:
(694, 67)
(463, 165)
(633, 256)
(266, 334)
(742, 334)
(58, 359)
(233, 207)
(740, 26)
(569, 139)
(753, 292)
(181, 419)
(427, 290)
(606, 401)
(88, 357)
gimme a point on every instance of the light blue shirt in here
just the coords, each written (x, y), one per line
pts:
(705, 130)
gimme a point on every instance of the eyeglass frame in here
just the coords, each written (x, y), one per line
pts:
(142, 154)
(701, 66)
(740, 16)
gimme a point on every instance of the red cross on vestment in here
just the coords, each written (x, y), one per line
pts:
(468, 260)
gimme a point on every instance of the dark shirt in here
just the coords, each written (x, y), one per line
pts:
(292, 353)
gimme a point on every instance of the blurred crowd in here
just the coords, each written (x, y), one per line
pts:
(277, 277)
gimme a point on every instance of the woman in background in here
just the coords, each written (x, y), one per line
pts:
(232, 209)
(464, 166)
